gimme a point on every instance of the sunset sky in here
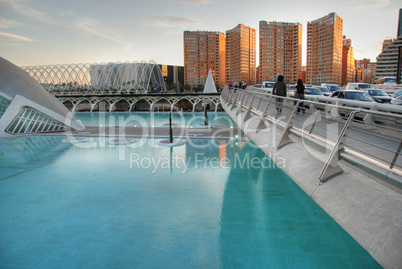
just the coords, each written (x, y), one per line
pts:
(41, 32)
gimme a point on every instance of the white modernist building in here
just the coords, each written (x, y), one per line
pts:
(26, 107)
(127, 77)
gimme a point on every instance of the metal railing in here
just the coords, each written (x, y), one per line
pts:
(366, 134)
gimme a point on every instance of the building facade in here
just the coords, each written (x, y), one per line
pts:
(241, 54)
(387, 61)
(324, 50)
(280, 51)
(386, 43)
(173, 76)
(348, 63)
(204, 51)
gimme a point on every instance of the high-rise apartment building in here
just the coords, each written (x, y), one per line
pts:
(280, 51)
(400, 23)
(204, 50)
(241, 54)
(324, 49)
(389, 61)
(348, 62)
(386, 43)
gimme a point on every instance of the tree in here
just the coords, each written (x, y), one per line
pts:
(200, 88)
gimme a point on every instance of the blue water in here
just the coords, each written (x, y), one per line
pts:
(153, 119)
(196, 206)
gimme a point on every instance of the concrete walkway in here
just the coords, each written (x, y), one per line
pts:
(157, 132)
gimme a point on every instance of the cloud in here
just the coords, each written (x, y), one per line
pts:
(6, 24)
(194, 2)
(25, 8)
(15, 37)
(94, 27)
(169, 21)
(359, 3)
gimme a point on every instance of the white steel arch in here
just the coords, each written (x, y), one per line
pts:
(110, 78)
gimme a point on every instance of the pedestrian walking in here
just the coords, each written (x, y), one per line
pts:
(299, 93)
(279, 90)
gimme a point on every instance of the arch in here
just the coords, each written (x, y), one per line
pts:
(121, 103)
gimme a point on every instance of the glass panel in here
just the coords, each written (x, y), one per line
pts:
(28, 120)
(4, 103)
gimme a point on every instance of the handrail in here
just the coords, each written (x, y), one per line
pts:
(366, 134)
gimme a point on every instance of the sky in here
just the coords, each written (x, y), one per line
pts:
(49, 32)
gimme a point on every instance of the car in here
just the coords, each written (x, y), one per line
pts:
(359, 86)
(291, 90)
(268, 84)
(397, 94)
(353, 95)
(325, 91)
(380, 96)
(397, 101)
(332, 87)
(386, 81)
(310, 93)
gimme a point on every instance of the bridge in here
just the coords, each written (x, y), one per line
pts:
(344, 154)
(110, 101)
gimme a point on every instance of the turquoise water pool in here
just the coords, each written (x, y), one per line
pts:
(152, 119)
(194, 206)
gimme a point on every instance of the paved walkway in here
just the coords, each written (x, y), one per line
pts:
(160, 132)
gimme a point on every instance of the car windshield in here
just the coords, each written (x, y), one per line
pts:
(269, 84)
(333, 88)
(397, 94)
(358, 96)
(377, 93)
(365, 86)
(312, 91)
(323, 89)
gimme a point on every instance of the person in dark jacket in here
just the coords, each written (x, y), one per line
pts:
(299, 93)
(279, 90)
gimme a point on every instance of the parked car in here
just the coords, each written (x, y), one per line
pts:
(359, 86)
(397, 94)
(332, 87)
(397, 101)
(380, 96)
(325, 91)
(312, 93)
(353, 95)
(291, 90)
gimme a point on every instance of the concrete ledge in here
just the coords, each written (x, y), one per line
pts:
(369, 210)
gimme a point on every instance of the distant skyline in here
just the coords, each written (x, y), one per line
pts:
(45, 32)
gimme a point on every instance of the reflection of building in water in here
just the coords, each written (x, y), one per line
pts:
(214, 152)
(222, 152)
(26, 152)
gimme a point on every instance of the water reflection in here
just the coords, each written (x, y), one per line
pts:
(18, 154)
(267, 221)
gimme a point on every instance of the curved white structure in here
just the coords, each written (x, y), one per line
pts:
(26, 107)
(129, 77)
